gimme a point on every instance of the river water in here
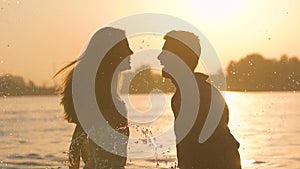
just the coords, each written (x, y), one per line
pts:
(33, 133)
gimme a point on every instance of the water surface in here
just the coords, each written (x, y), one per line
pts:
(33, 133)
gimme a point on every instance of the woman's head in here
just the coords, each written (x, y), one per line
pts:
(117, 53)
(108, 39)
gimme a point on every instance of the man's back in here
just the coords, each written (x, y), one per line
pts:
(221, 149)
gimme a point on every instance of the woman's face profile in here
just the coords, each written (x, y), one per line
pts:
(121, 53)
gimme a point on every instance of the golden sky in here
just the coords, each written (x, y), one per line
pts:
(37, 37)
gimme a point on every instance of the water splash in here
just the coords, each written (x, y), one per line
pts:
(161, 159)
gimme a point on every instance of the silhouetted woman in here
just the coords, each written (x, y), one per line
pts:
(95, 156)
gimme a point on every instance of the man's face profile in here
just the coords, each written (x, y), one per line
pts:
(164, 56)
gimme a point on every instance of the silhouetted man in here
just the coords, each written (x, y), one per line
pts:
(220, 151)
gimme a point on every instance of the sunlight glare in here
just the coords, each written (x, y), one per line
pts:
(218, 10)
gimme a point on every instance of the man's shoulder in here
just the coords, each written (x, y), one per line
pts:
(202, 81)
(205, 86)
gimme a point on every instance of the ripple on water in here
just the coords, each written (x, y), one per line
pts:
(15, 156)
(259, 162)
(23, 141)
(1, 133)
(33, 156)
(296, 158)
(33, 160)
(27, 156)
(26, 165)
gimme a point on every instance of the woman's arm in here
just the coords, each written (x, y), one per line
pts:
(78, 139)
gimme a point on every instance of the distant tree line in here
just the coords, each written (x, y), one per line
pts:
(145, 79)
(256, 73)
(252, 73)
(11, 85)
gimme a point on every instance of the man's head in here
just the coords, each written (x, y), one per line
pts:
(184, 45)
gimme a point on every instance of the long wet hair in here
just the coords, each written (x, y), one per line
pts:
(65, 88)
(65, 92)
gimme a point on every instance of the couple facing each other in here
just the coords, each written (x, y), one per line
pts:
(220, 151)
